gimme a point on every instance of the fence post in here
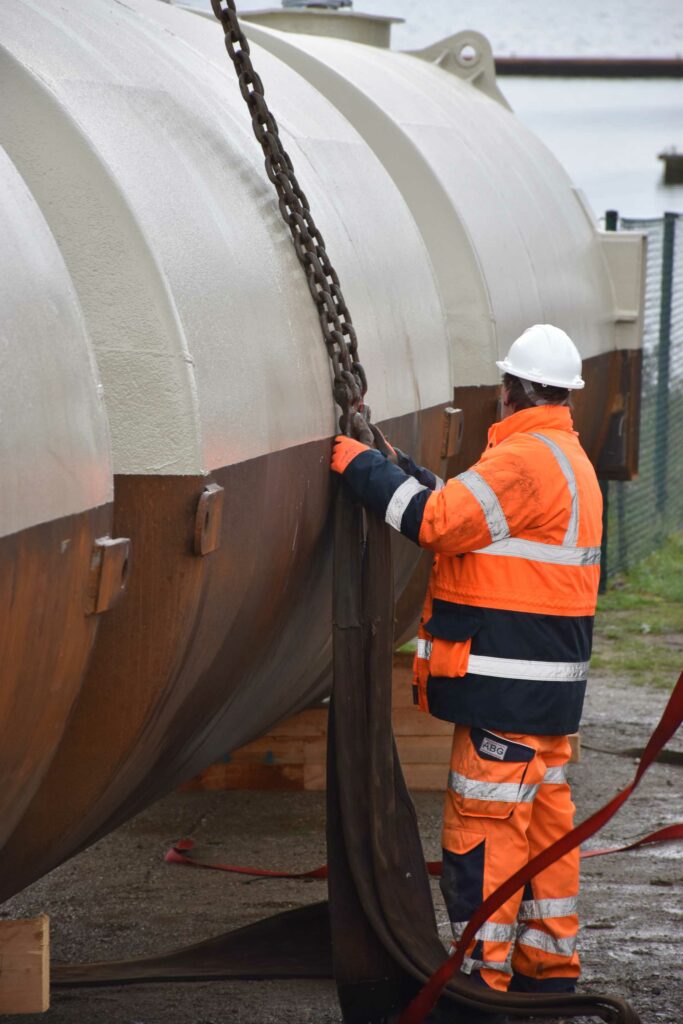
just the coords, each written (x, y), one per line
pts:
(604, 488)
(611, 224)
(664, 362)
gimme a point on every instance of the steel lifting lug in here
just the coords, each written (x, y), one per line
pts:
(109, 571)
(453, 430)
(208, 520)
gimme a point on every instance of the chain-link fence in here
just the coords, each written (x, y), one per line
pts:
(643, 512)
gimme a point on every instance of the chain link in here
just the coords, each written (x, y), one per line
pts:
(350, 383)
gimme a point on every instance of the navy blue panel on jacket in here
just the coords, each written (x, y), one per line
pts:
(424, 476)
(549, 706)
(505, 634)
(511, 705)
(374, 481)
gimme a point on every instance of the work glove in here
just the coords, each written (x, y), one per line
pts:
(344, 451)
(372, 436)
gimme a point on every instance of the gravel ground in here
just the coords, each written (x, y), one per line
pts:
(119, 898)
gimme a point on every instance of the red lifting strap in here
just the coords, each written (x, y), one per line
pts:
(180, 854)
(427, 997)
(662, 835)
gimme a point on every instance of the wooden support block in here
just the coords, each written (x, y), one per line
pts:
(575, 743)
(427, 750)
(315, 776)
(411, 722)
(312, 722)
(25, 965)
(247, 776)
(427, 777)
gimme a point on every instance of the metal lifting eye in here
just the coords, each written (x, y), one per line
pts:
(468, 55)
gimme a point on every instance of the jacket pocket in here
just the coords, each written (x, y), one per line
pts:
(448, 658)
(452, 628)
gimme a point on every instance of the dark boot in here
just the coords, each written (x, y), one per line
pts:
(449, 1012)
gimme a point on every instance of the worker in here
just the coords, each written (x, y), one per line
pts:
(503, 649)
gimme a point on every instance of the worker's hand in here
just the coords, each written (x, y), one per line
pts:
(344, 451)
(382, 445)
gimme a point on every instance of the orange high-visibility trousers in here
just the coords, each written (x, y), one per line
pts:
(507, 799)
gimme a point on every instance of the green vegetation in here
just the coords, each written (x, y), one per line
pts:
(639, 624)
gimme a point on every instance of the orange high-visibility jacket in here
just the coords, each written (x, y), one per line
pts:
(506, 632)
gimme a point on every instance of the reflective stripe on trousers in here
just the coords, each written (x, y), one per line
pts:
(548, 943)
(490, 931)
(505, 792)
(469, 965)
(537, 909)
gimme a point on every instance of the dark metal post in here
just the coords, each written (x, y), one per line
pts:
(611, 223)
(604, 487)
(611, 220)
(663, 362)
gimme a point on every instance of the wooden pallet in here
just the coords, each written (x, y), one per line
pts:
(25, 966)
(292, 754)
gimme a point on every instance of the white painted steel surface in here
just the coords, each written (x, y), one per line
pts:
(54, 444)
(127, 123)
(510, 239)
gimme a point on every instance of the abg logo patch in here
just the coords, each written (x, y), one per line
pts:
(493, 749)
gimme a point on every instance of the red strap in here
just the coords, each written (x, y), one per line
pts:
(427, 997)
(662, 835)
(178, 855)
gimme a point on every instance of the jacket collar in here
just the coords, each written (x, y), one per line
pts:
(548, 417)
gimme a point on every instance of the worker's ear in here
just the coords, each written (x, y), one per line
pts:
(505, 407)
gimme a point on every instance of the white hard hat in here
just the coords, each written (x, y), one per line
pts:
(545, 355)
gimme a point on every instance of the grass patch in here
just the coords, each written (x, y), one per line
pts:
(639, 622)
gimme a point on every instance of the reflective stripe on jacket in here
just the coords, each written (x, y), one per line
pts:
(507, 623)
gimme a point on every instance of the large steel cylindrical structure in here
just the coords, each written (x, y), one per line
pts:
(451, 229)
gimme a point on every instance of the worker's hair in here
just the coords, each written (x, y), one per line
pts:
(519, 398)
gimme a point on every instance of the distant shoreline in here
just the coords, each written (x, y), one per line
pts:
(592, 67)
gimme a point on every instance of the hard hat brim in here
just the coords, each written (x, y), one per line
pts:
(576, 383)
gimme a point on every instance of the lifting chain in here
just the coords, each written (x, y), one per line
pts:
(339, 334)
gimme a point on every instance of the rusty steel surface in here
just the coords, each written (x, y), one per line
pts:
(45, 635)
(204, 652)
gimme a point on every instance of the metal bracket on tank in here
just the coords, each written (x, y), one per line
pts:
(109, 570)
(468, 55)
(207, 523)
(453, 430)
